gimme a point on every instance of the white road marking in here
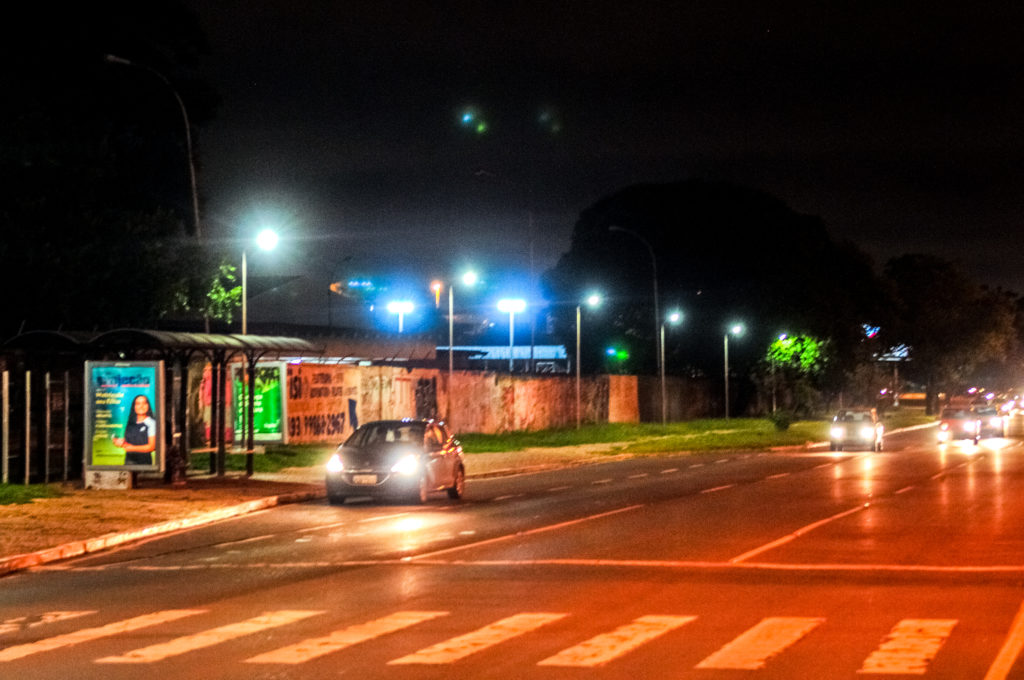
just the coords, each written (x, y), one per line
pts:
(25, 622)
(460, 647)
(508, 497)
(718, 488)
(696, 465)
(905, 489)
(721, 460)
(1008, 653)
(560, 488)
(341, 639)
(669, 471)
(600, 650)
(751, 650)
(796, 534)
(639, 476)
(909, 647)
(520, 534)
(602, 481)
(208, 638)
(778, 476)
(88, 634)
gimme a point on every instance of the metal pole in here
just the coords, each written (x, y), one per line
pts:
(47, 392)
(245, 295)
(28, 423)
(773, 384)
(577, 367)
(6, 435)
(511, 339)
(725, 341)
(451, 348)
(67, 424)
(661, 368)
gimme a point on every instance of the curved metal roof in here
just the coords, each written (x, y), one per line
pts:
(137, 338)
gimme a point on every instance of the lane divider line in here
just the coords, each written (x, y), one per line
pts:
(1008, 653)
(795, 535)
(520, 534)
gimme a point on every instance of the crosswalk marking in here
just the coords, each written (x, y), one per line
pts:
(340, 639)
(87, 634)
(488, 636)
(15, 624)
(603, 648)
(908, 648)
(751, 650)
(209, 638)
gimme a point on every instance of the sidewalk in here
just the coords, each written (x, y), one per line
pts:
(82, 521)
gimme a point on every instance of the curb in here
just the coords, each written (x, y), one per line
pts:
(84, 547)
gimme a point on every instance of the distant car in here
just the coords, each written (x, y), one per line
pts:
(856, 428)
(959, 423)
(992, 422)
(398, 459)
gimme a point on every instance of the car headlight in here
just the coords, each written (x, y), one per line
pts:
(335, 464)
(970, 427)
(867, 432)
(943, 435)
(407, 465)
(996, 422)
(838, 433)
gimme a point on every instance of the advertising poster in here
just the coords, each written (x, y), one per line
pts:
(268, 400)
(124, 414)
(323, 402)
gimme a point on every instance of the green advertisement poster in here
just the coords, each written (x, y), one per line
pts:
(268, 403)
(124, 414)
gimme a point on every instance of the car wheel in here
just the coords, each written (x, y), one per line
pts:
(422, 492)
(335, 499)
(458, 488)
(832, 446)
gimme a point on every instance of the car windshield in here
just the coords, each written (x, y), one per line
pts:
(374, 434)
(955, 414)
(986, 411)
(853, 416)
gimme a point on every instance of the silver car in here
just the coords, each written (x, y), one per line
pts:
(398, 459)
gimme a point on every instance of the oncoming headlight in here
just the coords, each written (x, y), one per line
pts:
(867, 432)
(335, 464)
(407, 465)
(838, 433)
(996, 422)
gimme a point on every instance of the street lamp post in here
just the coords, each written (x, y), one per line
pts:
(469, 279)
(266, 240)
(735, 329)
(658, 349)
(673, 318)
(113, 59)
(593, 301)
(401, 308)
(511, 306)
(782, 337)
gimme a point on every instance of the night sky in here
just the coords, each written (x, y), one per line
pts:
(342, 122)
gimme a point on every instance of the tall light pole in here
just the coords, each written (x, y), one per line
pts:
(654, 278)
(401, 308)
(511, 306)
(113, 59)
(592, 300)
(673, 318)
(736, 329)
(266, 240)
(469, 279)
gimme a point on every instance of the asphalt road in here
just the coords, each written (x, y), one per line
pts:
(902, 563)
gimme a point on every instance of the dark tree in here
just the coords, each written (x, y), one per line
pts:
(953, 326)
(723, 253)
(97, 209)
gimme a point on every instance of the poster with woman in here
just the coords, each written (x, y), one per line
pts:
(124, 412)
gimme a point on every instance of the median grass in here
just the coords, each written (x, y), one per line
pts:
(274, 458)
(14, 494)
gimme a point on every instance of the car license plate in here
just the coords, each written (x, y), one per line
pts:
(364, 479)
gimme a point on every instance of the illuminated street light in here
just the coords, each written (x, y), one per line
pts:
(112, 59)
(737, 330)
(593, 300)
(401, 308)
(673, 318)
(265, 240)
(511, 307)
